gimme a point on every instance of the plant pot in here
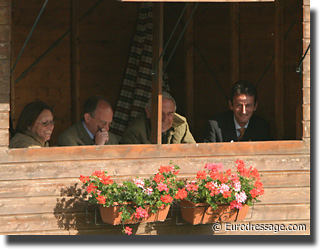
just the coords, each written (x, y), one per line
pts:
(112, 215)
(202, 213)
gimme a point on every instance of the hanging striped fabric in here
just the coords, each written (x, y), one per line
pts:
(137, 84)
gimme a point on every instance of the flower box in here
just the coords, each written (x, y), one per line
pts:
(112, 215)
(202, 213)
(133, 201)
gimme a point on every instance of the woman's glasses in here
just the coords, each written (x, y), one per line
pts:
(47, 123)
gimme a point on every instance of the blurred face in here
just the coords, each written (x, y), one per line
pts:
(102, 118)
(168, 110)
(44, 125)
(243, 107)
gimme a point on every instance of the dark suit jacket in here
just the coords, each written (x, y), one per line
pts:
(221, 128)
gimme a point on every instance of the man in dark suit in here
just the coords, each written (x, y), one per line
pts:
(239, 124)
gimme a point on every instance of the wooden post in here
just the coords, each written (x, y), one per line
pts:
(279, 68)
(12, 103)
(189, 74)
(156, 108)
(306, 73)
(5, 39)
(74, 62)
(235, 43)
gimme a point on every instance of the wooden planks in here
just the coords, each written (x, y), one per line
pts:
(80, 222)
(72, 186)
(74, 203)
(53, 199)
(213, 1)
(154, 151)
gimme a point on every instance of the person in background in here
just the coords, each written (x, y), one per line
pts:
(175, 128)
(94, 127)
(34, 128)
(240, 123)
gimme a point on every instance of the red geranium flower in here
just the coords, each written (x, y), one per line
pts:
(181, 194)
(84, 179)
(98, 173)
(158, 178)
(166, 169)
(101, 199)
(166, 198)
(91, 188)
(106, 180)
(201, 175)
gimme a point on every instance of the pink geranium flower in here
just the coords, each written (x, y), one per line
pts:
(128, 230)
(223, 188)
(163, 187)
(148, 190)
(141, 213)
(241, 197)
(139, 183)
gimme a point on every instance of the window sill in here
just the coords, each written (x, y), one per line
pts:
(153, 151)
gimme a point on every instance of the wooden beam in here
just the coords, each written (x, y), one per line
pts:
(279, 68)
(156, 108)
(213, 1)
(306, 70)
(13, 76)
(189, 74)
(119, 152)
(74, 61)
(235, 43)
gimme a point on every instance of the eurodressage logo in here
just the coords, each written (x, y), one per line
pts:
(216, 227)
(275, 228)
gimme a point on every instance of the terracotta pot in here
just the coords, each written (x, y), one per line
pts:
(112, 215)
(202, 213)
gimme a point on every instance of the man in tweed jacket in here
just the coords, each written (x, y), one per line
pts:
(94, 128)
(175, 128)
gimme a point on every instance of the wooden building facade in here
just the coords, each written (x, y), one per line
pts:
(81, 49)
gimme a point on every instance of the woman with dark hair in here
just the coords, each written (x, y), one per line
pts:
(35, 126)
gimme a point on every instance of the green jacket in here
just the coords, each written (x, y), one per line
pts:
(77, 135)
(27, 140)
(138, 132)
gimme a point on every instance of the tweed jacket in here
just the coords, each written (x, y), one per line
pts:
(221, 128)
(77, 135)
(139, 131)
(28, 139)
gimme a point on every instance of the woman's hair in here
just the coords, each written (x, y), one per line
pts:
(30, 114)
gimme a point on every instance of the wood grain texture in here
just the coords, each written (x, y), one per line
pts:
(81, 222)
(172, 151)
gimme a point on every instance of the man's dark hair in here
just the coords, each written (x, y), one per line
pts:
(90, 105)
(30, 114)
(243, 87)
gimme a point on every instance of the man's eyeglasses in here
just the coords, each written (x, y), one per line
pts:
(103, 124)
(47, 123)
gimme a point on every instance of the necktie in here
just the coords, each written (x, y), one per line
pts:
(241, 130)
